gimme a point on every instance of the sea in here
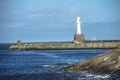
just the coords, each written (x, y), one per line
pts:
(42, 64)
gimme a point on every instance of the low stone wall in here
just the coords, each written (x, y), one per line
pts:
(81, 45)
(103, 44)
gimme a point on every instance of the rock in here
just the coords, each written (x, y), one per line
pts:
(116, 75)
(103, 63)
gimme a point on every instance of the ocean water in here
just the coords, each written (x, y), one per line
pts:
(40, 64)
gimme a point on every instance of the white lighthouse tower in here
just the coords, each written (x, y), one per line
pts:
(79, 37)
(78, 25)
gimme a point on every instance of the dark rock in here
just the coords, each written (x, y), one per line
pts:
(116, 75)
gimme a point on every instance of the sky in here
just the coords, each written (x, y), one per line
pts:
(55, 20)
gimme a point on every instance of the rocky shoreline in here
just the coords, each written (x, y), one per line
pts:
(108, 62)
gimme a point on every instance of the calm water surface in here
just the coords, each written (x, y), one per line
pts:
(38, 64)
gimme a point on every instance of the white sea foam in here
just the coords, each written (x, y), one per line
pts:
(49, 55)
(50, 66)
(84, 75)
(102, 76)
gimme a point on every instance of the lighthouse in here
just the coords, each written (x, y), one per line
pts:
(79, 37)
(78, 25)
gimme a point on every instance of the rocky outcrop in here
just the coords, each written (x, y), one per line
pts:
(103, 63)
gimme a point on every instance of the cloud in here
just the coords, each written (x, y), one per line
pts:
(35, 15)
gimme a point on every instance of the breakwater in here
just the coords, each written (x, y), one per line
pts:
(81, 45)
